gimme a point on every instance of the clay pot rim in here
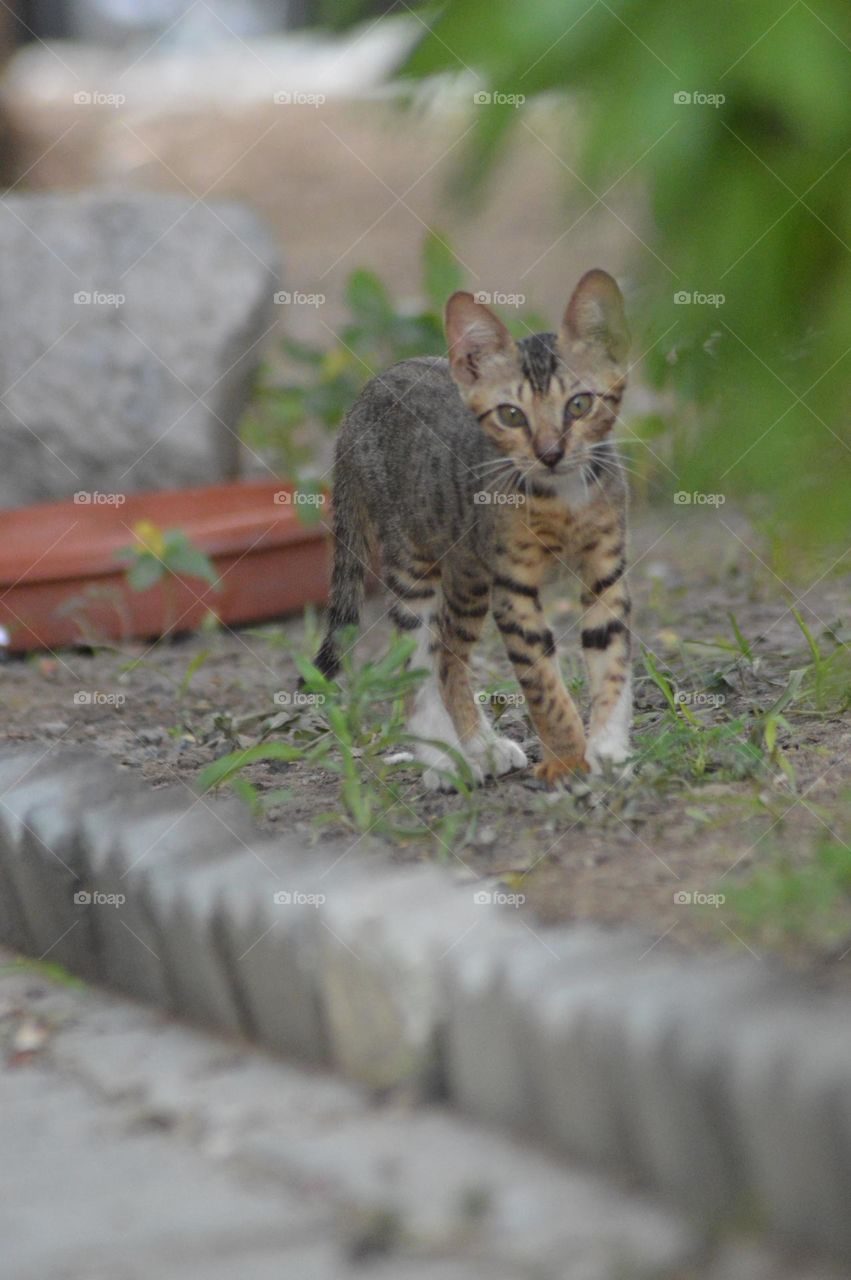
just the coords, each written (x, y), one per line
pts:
(222, 519)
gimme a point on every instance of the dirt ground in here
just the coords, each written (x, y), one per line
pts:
(697, 817)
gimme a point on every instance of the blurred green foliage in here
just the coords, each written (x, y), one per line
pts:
(379, 332)
(747, 186)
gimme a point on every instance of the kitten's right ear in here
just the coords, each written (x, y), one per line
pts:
(595, 315)
(475, 335)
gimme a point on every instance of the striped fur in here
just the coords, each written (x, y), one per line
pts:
(477, 478)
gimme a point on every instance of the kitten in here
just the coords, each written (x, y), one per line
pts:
(477, 476)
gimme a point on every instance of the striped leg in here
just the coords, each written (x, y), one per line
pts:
(418, 608)
(465, 608)
(606, 646)
(531, 648)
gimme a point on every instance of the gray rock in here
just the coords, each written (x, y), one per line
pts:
(492, 1034)
(269, 935)
(789, 1097)
(381, 944)
(36, 879)
(125, 843)
(671, 1043)
(129, 330)
(14, 766)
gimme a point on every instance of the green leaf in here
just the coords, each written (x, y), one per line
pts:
(190, 562)
(442, 275)
(368, 299)
(222, 770)
(145, 573)
(195, 665)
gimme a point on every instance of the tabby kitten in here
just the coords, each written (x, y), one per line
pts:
(477, 476)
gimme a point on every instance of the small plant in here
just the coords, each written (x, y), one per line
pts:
(161, 557)
(356, 730)
(157, 553)
(827, 683)
(680, 745)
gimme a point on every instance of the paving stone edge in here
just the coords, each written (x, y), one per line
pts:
(722, 1085)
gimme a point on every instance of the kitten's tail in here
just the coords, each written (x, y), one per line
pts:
(351, 560)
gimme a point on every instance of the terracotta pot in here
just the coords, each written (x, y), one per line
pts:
(62, 581)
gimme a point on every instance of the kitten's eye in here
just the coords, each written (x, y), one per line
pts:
(510, 416)
(579, 405)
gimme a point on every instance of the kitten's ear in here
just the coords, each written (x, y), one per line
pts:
(595, 314)
(474, 335)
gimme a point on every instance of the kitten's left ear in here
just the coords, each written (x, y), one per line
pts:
(595, 314)
(475, 336)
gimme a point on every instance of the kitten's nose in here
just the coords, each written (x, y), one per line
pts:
(552, 456)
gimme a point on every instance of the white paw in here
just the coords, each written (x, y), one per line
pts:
(494, 753)
(441, 774)
(606, 752)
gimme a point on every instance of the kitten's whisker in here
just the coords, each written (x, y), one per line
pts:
(493, 465)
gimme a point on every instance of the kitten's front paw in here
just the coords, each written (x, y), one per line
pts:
(442, 769)
(437, 780)
(607, 754)
(495, 754)
(556, 773)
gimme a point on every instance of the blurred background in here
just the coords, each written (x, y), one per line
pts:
(397, 150)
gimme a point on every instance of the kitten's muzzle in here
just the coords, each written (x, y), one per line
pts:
(552, 456)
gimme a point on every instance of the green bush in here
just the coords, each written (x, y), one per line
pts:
(748, 198)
